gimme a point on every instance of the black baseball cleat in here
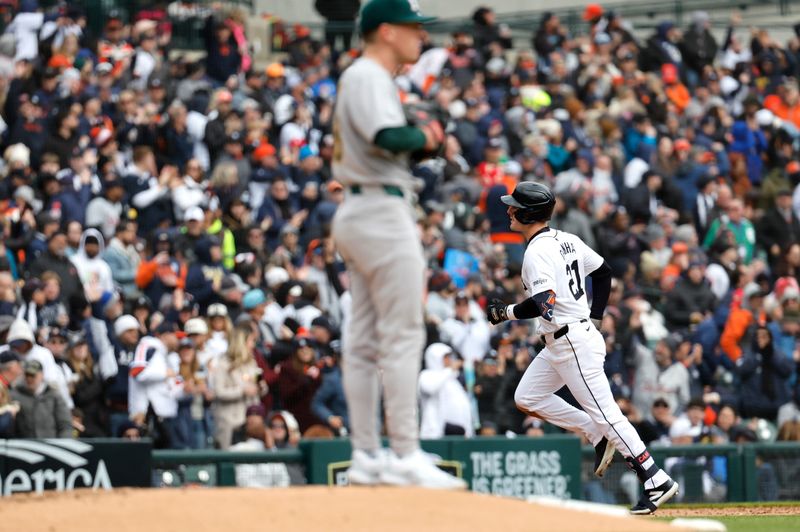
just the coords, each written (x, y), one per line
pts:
(653, 498)
(603, 456)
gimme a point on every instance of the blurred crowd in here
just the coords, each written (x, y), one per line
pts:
(166, 268)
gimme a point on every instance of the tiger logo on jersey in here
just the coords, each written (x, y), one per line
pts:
(547, 308)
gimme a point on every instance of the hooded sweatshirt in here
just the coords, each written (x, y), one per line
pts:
(443, 399)
(93, 271)
(750, 144)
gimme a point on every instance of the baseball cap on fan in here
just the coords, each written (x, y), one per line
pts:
(194, 214)
(377, 12)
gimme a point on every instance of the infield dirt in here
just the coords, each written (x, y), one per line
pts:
(313, 508)
(730, 511)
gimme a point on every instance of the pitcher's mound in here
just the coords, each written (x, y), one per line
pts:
(313, 508)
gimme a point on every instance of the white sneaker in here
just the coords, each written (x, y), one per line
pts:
(418, 469)
(365, 469)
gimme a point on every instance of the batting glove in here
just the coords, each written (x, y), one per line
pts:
(497, 312)
(597, 323)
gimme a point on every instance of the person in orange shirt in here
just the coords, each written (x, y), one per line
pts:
(677, 265)
(490, 171)
(788, 107)
(676, 92)
(742, 317)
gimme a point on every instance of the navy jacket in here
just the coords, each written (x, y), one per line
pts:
(329, 399)
(223, 60)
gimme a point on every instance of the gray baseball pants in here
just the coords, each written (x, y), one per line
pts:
(376, 235)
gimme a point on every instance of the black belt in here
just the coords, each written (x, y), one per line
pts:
(561, 332)
(389, 189)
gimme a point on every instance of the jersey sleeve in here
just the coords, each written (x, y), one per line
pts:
(539, 273)
(591, 259)
(373, 104)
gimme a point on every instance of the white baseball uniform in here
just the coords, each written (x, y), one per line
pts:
(575, 350)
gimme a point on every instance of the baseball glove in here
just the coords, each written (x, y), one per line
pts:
(427, 117)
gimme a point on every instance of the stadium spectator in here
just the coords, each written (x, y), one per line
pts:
(468, 334)
(86, 387)
(54, 260)
(722, 429)
(126, 338)
(738, 329)
(487, 383)
(93, 271)
(284, 428)
(764, 370)
(691, 300)
(204, 276)
(152, 384)
(444, 404)
(234, 381)
(123, 258)
(219, 327)
(508, 417)
(163, 274)
(299, 378)
(10, 371)
(688, 428)
(779, 227)
(329, 403)
(190, 423)
(224, 58)
(259, 438)
(105, 212)
(21, 341)
(42, 411)
(340, 16)
(698, 47)
(660, 376)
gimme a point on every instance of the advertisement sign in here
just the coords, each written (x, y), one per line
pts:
(328, 460)
(337, 471)
(63, 464)
(521, 467)
(512, 467)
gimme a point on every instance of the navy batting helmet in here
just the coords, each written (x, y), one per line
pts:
(534, 201)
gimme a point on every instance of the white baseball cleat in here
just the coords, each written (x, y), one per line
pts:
(603, 456)
(365, 469)
(652, 499)
(418, 469)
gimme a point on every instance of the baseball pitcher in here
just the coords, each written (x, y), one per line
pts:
(376, 234)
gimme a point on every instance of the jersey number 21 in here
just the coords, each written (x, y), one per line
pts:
(574, 280)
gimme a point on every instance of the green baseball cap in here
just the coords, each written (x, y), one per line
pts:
(377, 12)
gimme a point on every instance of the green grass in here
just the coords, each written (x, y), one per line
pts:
(745, 523)
(757, 523)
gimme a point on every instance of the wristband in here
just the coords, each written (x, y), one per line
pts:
(510, 312)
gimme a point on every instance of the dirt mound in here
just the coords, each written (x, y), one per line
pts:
(310, 508)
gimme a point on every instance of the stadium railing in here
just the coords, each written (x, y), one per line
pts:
(215, 468)
(707, 473)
